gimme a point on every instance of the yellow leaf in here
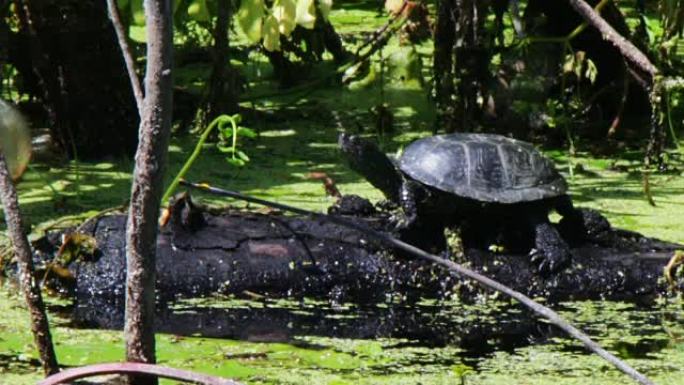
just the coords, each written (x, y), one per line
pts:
(138, 12)
(250, 17)
(271, 34)
(393, 6)
(15, 139)
(325, 6)
(285, 12)
(306, 13)
(198, 10)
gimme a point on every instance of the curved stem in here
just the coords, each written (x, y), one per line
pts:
(235, 135)
(194, 155)
(134, 368)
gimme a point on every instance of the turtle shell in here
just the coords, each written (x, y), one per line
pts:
(484, 167)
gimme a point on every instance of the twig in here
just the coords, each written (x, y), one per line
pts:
(380, 31)
(626, 48)
(621, 109)
(542, 310)
(114, 16)
(647, 187)
(134, 368)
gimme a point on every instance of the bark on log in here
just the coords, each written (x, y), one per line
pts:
(272, 254)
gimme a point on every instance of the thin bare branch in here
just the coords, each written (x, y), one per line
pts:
(115, 17)
(626, 48)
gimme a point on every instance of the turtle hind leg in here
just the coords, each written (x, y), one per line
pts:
(426, 234)
(580, 225)
(551, 252)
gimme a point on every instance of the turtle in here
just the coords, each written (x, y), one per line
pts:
(493, 187)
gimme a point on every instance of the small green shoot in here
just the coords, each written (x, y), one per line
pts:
(228, 130)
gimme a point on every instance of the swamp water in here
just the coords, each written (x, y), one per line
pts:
(270, 341)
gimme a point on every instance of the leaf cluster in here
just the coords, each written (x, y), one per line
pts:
(265, 24)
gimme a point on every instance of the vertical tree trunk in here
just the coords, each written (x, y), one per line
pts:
(472, 60)
(461, 64)
(39, 320)
(146, 192)
(443, 66)
(221, 97)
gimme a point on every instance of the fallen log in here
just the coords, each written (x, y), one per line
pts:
(200, 253)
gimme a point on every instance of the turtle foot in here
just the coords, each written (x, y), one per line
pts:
(352, 205)
(551, 252)
(550, 262)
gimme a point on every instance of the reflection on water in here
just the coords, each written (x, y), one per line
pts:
(428, 341)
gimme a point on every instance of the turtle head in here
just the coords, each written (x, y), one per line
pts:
(365, 158)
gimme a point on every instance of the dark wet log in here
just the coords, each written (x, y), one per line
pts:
(281, 255)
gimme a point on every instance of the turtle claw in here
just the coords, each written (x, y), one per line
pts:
(548, 263)
(404, 222)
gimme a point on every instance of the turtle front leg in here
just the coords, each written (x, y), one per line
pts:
(418, 228)
(551, 252)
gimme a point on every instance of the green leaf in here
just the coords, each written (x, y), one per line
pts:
(225, 149)
(226, 132)
(247, 132)
(242, 155)
(306, 13)
(325, 6)
(285, 12)
(271, 34)
(591, 71)
(235, 162)
(250, 17)
(579, 61)
(198, 10)
(122, 4)
(137, 12)
(569, 64)
(393, 6)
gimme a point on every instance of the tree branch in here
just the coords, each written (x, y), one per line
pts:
(114, 16)
(626, 48)
(146, 191)
(34, 300)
